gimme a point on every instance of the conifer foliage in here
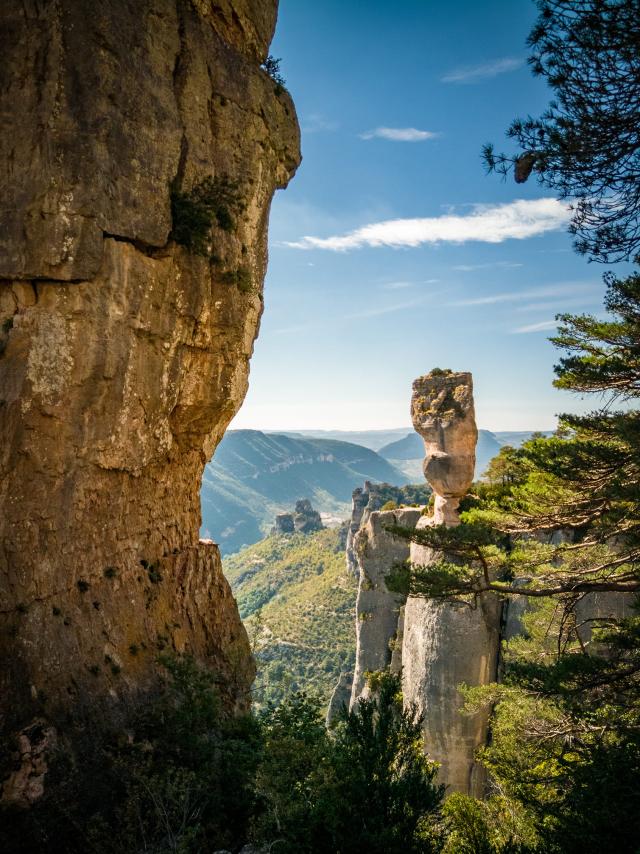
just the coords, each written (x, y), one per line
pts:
(586, 145)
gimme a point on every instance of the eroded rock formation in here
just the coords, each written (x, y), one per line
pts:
(372, 497)
(377, 552)
(444, 644)
(436, 645)
(303, 520)
(124, 356)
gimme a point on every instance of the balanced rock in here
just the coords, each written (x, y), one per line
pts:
(445, 645)
(443, 414)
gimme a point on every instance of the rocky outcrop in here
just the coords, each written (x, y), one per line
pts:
(304, 520)
(359, 501)
(444, 644)
(283, 524)
(373, 496)
(340, 697)
(437, 646)
(124, 355)
(443, 414)
(378, 551)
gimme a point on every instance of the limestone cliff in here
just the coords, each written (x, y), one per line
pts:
(378, 609)
(372, 497)
(123, 355)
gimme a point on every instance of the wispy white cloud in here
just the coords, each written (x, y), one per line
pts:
(561, 304)
(469, 268)
(399, 134)
(557, 290)
(385, 309)
(394, 286)
(485, 223)
(473, 73)
(317, 123)
(536, 327)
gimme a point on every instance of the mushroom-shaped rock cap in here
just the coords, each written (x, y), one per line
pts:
(442, 413)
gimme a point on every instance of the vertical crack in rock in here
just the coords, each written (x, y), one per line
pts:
(119, 379)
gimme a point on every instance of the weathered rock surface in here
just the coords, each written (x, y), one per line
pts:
(340, 697)
(377, 608)
(304, 520)
(443, 414)
(283, 524)
(123, 357)
(371, 497)
(359, 501)
(444, 644)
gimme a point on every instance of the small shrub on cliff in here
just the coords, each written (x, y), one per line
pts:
(241, 278)
(213, 201)
(272, 66)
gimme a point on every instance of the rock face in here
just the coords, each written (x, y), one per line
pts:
(373, 496)
(284, 524)
(436, 645)
(377, 608)
(123, 356)
(304, 520)
(446, 644)
(340, 697)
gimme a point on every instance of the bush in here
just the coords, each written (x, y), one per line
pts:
(213, 201)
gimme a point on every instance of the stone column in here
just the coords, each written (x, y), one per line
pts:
(446, 644)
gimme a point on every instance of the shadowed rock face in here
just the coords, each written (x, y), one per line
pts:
(443, 644)
(122, 356)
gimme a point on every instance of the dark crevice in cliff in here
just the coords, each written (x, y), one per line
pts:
(180, 69)
(145, 248)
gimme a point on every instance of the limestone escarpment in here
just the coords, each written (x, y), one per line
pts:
(123, 355)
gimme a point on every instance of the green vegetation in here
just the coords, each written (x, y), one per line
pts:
(586, 145)
(255, 476)
(389, 505)
(241, 278)
(272, 66)
(297, 601)
(366, 785)
(182, 775)
(559, 521)
(211, 202)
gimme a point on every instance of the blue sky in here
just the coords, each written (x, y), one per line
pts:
(392, 252)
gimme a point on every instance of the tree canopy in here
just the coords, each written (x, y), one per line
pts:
(586, 145)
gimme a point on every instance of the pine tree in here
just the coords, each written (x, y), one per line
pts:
(586, 146)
